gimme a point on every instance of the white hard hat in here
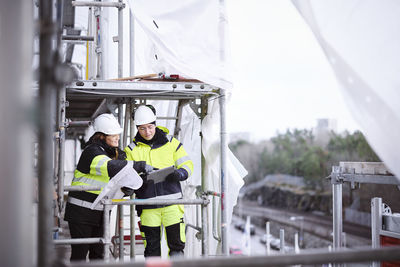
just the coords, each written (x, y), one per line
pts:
(107, 124)
(144, 115)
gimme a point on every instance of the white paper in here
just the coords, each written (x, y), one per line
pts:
(127, 177)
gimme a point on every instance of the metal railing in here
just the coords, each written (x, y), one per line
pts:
(308, 257)
(354, 173)
(107, 203)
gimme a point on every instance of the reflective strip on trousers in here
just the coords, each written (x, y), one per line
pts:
(99, 164)
(85, 204)
(89, 181)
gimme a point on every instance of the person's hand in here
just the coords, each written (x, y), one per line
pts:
(148, 168)
(173, 177)
(127, 191)
(141, 166)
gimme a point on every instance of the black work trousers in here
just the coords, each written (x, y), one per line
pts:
(153, 240)
(79, 252)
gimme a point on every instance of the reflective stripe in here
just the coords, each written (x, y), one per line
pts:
(180, 144)
(132, 145)
(99, 164)
(171, 196)
(85, 204)
(89, 181)
(181, 160)
(186, 167)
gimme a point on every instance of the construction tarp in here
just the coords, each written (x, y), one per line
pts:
(187, 38)
(361, 42)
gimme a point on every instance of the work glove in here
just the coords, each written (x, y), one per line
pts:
(141, 166)
(127, 191)
(148, 168)
(177, 176)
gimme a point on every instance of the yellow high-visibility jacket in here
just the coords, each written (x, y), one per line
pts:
(161, 152)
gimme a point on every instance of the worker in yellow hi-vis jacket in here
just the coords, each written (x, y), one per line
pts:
(100, 161)
(152, 145)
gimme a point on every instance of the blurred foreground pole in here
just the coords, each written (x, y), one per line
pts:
(16, 176)
(47, 92)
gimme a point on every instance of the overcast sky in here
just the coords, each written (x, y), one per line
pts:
(281, 77)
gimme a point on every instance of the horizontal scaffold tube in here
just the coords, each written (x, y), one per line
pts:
(98, 4)
(78, 123)
(156, 202)
(82, 188)
(77, 38)
(308, 257)
(138, 201)
(92, 240)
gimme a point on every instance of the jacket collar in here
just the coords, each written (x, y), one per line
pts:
(159, 139)
(110, 151)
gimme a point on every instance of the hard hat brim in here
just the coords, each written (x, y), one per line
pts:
(115, 131)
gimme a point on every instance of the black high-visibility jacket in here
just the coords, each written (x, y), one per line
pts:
(95, 167)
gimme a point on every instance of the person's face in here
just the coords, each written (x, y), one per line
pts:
(147, 131)
(112, 140)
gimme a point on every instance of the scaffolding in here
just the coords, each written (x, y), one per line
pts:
(79, 102)
(126, 93)
(356, 173)
(95, 93)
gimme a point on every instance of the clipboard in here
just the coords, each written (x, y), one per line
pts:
(160, 175)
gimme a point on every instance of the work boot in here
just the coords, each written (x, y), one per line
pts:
(176, 254)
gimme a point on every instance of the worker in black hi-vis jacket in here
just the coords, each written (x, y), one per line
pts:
(100, 161)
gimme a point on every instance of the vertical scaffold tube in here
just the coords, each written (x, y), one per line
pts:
(337, 208)
(106, 229)
(376, 221)
(204, 188)
(224, 184)
(131, 44)
(120, 221)
(126, 125)
(61, 156)
(132, 207)
(224, 145)
(120, 40)
(376, 224)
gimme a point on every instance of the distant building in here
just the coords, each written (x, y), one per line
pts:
(323, 129)
(326, 124)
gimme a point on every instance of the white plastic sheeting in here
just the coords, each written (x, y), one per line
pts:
(361, 41)
(187, 37)
(211, 151)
